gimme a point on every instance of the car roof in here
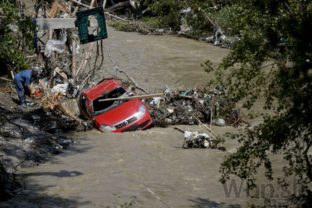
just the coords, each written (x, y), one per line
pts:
(101, 88)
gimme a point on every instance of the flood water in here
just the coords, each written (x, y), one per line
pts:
(138, 169)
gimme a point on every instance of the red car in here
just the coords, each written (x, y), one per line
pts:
(113, 116)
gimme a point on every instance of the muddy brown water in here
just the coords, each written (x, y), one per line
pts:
(156, 61)
(138, 169)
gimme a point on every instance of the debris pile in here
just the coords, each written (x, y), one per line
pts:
(194, 106)
(63, 62)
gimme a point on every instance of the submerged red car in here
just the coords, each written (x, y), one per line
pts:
(113, 116)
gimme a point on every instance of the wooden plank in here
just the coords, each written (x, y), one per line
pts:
(81, 4)
(60, 23)
(133, 97)
(74, 58)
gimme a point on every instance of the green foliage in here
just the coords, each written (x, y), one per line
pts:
(152, 22)
(273, 59)
(168, 12)
(16, 34)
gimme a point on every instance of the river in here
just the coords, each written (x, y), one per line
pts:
(138, 169)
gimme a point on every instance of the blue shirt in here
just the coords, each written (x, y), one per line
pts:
(24, 77)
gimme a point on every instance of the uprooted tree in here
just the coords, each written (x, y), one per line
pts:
(273, 59)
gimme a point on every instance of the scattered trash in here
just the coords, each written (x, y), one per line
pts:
(193, 106)
(219, 122)
(60, 88)
(55, 45)
(196, 139)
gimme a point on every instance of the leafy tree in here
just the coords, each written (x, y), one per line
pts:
(273, 59)
(200, 15)
(168, 12)
(16, 34)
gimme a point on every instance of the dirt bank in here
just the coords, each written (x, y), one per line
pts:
(27, 138)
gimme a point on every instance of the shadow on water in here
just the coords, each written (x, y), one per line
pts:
(207, 203)
(32, 195)
(60, 174)
(74, 149)
(36, 198)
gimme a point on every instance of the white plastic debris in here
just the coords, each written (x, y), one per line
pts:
(220, 122)
(167, 91)
(62, 88)
(186, 11)
(55, 45)
(13, 27)
(206, 144)
(188, 135)
(170, 110)
(29, 140)
(196, 140)
(155, 101)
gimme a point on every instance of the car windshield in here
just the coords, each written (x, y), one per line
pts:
(100, 107)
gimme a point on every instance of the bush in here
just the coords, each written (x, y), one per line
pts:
(16, 35)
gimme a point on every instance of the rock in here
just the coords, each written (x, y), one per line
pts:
(11, 130)
(26, 125)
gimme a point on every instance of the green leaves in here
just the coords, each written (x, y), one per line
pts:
(16, 34)
(271, 60)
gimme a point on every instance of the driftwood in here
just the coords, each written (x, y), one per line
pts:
(91, 6)
(116, 17)
(119, 5)
(54, 102)
(51, 101)
(5, 79)
(180, 130)
(131, 80)
(132, 97)
(56, 8)
(208, 128)
(74, 59)
(104, 4)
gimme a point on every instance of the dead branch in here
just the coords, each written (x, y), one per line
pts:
(116, 17)
(104, 4)
(74, 62)
(207, 127)
(119, 6)
(180, 130)
(5, 79)
(85, 61)
(131, 80)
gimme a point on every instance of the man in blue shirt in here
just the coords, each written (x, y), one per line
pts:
(22, 81)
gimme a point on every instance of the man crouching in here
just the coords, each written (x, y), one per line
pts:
(23, 80)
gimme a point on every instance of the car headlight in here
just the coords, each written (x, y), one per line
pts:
(105, 128)
(141, 112)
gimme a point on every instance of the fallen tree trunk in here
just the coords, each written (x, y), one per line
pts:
(133, 97)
